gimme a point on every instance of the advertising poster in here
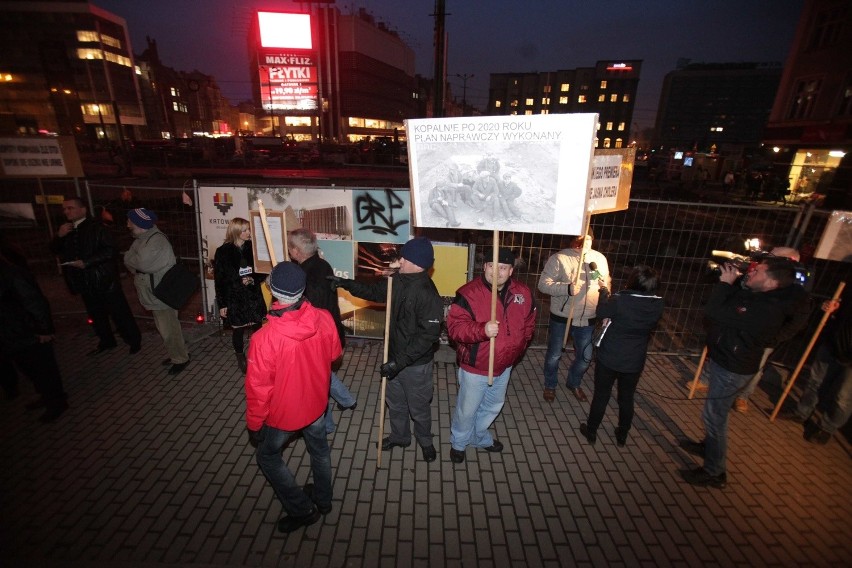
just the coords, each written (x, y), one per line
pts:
(381, 215)
(836, 240)
(522, 173)
(326, 212)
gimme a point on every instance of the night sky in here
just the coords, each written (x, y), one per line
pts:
(491, 36)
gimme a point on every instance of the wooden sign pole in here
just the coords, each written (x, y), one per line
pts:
(495, 244)
(697, 373)
(384, 379)
(807, 352)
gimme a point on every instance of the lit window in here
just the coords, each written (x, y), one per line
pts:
(515, 82)
(514, 112)
(545, 111)
(528, 111)
(846, 102)
(545, 100)
(613, 98)
(598, 126)
(603, 84)
(563, 100)
(175, 92)
(514, 103)
(581, 99)
(87, 36)
(498, 104)
(601, 97)
(175, 105)
(89, 54)
(564, 87)
(597, 142)
(546, 89)
(529, 102)
(110, 41)
(621, 126)
(625, 99)
(618, 143)
(609, 125)
(607, 143)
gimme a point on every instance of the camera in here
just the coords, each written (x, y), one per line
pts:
(743, 263)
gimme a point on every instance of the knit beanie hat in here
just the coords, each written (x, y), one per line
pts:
(287, 282)
(419, 251)
(142, 218)
(504, 256)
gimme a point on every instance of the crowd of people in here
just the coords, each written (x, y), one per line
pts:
(291, 365)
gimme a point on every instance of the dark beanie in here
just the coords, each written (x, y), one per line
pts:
(287, 282)
(142, 218)
(504, 256)
(419, 251)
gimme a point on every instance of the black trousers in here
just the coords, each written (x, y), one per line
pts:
(103, 305)
(605, 378)
(38, 363)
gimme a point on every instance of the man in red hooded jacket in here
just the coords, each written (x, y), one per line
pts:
(470, 325)
(289, 362)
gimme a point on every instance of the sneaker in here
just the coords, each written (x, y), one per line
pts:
(700, 478)
(741, 405)
(289, 523)
(695, 448)
(309, 491)
(816, 435)
(591, 437)
(549, 395)
(496, 446)
(429, 453)
(242, 364)
(579, 394)
(178, 367)
(387, 444)
(341, 407)
(456, 456)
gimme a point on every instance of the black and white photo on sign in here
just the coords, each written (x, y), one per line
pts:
(524, 173)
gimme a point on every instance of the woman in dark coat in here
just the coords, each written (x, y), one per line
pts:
(237, 286)
(628, 318)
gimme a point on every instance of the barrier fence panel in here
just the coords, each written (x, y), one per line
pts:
(676, 238)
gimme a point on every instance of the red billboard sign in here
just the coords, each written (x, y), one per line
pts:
(288, 88)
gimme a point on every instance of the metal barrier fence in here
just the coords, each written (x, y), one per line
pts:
(675, 238)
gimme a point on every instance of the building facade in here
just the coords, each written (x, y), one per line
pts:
(68, 69)
(608, 88)
(354, 81)
(809, 133)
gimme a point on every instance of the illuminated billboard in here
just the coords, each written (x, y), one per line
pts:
(288, 88)
(281, 30)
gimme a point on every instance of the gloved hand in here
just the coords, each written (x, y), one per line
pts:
(389, 369)
(255, 437)
(337, 282)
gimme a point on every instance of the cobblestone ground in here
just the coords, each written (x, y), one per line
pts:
(146, 469)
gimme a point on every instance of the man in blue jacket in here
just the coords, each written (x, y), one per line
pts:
(469, 324)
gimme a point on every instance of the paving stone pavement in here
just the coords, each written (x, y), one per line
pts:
(146, 469)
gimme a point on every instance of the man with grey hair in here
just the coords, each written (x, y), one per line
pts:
(289, 362)
(303, 249)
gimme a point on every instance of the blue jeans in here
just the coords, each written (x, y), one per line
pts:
(837, 378)
(753, 382)
(582, 337)
(725, 386)
(477, 405)
(341, 394)
(294, 500)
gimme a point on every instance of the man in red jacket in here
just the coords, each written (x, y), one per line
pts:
(289, 362)
(470, 325)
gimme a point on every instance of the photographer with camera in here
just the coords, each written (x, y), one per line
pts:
(744, 320)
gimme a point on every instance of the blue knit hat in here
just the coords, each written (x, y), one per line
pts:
(287, 282)
(418, 251)
(142, 218)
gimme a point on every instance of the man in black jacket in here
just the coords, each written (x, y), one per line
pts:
(415, 326)
(26, 338)
(302, 246)
(743, 321)
(87, 254)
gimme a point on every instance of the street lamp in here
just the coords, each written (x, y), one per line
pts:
(464, 79)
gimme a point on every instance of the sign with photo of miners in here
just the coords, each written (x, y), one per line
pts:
(523, 173)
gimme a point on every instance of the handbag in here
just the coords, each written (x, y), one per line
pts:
(176, 287)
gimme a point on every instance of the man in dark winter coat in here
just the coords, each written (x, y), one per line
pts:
(302, 246)
(85, 249)
(415, 326)
(743, 322)
(26, 338)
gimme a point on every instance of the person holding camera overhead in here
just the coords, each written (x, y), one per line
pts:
(628, 318)
(743, 320)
